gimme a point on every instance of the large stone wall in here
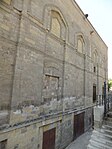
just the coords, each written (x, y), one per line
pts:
(42, 71)
(30, 134)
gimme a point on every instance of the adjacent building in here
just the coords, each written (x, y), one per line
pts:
(53, 64)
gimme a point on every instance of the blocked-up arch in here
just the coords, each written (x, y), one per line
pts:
(80, 42)
(55, 26)
(95, 56)
(95, 61)
(54, 21)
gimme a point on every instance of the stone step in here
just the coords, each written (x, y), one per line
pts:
(109, 119)
(106, 131)
(107, 127)
(102, 135)
(94, 144)
(99, 145)
(108, 123)
(91, 147)
(102, 140)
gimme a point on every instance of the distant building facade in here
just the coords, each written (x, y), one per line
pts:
(53, 63)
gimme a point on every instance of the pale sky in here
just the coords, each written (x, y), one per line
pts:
(100, 15)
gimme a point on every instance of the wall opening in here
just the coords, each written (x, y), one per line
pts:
(78, 125)
(49, 139)
(94, 93)
(3, 144)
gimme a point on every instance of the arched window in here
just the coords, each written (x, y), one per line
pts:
(55, 22)
(55, 27)
(95, 61)
(80, 44)
(95, 57)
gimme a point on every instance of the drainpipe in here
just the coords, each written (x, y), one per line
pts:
(84, 80)
(62, 96)
(105, 101)
(63, 73)
(97, 84)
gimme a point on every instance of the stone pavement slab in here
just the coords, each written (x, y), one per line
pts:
(81, 142)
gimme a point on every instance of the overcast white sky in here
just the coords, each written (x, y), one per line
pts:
(100, 15)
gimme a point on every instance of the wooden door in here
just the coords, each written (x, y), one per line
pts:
(3, 144)
(75, 126)
(49, 139)
(78, 125)
(81, 124)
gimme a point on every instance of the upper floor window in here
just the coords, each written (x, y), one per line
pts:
(80, 44)
(94, 57)
(55, 27)
(94, 69)
(95, 61)
(58, 26)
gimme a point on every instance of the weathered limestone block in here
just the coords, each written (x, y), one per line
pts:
(98, 116)
(7, 1)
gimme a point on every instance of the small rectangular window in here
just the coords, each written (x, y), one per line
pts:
(94, 69)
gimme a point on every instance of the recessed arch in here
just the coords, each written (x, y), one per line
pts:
(80, 42)
(95, 56)
(54, 14)
(55, 27)
(57, 24)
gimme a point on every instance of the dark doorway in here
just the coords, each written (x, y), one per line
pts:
(49, 139)
(94, 93)
(78, 125)
(3, 144)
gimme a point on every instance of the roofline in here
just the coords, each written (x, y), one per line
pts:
(89, 22)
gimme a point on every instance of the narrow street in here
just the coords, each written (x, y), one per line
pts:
(55, 74)
(81, 142)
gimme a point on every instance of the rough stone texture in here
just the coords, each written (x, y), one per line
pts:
(88, 118)
(81, 142)
(67, 130)
(43, 75)
(98, 116)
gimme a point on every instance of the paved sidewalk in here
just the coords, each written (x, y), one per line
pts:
(81, 142)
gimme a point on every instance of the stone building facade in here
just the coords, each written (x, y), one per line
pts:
(52, 65)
